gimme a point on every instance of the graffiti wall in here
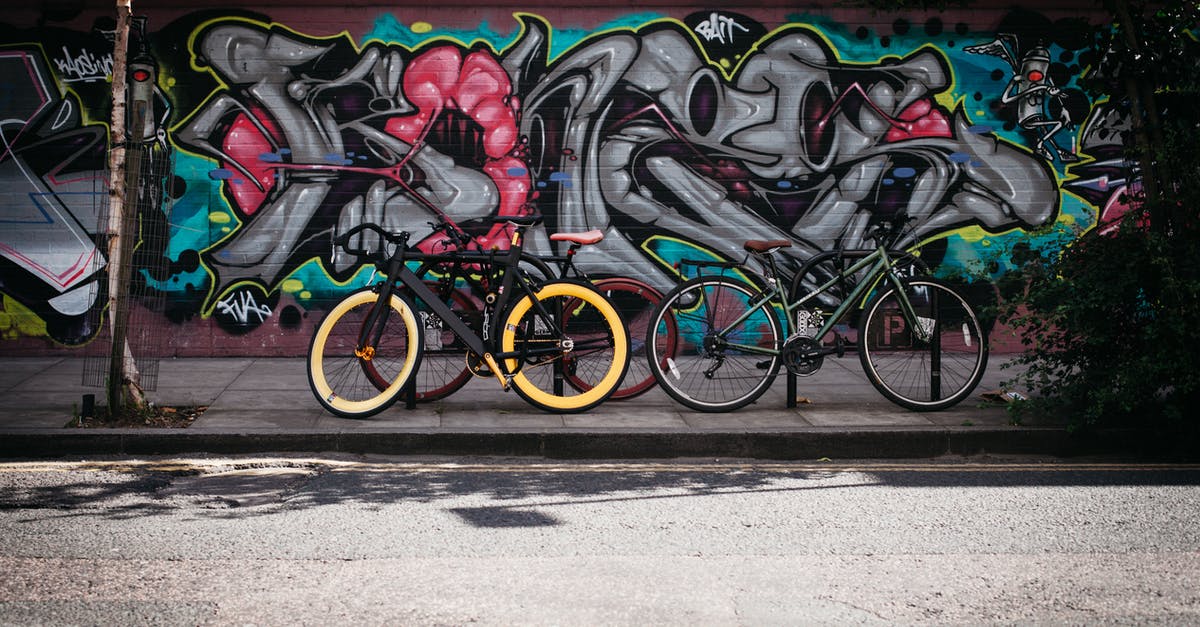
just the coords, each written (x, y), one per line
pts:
(677, 133)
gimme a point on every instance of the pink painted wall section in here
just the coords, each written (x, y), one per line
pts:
(676, 129)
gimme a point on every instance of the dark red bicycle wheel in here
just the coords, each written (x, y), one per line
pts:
(635, 301)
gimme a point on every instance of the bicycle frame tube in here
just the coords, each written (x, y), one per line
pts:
(878, 265)
(410, 280)
(511, 281)
(881, 267)
(877, 261)
(764, 298)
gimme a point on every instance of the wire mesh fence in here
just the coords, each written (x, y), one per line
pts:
(145, 230)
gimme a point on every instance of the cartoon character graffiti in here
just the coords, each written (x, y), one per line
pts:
(1042, 107)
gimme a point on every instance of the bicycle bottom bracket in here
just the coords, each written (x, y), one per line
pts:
(477, 365)
(802, 355)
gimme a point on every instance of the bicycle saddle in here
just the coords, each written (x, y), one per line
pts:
(584, 238)
(525, 220)
(766, 246)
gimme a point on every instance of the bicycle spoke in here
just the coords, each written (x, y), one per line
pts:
(931, 361)
(726, 354)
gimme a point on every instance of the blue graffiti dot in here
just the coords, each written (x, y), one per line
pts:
(270, 157)
(561, 177)
(285, 151)
(888, 181)
(980, 129)
(517, 171)
(904, 173)
(332, 158)
(977, 164)
(784, 184)
(541, 183)
(220, 174)
(959, 157)
(362, 157)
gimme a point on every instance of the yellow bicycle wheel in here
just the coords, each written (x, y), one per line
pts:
(356, 383)
(587, 344)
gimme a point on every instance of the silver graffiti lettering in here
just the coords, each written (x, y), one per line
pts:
(83, 66)
(794, 145)
(719, 27)
(241, 306)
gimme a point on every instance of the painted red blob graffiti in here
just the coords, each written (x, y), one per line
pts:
(441, 79)
(922, 119)
(244, 143)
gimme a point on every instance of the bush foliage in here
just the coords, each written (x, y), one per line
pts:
(1111, 330)
(1111, 325)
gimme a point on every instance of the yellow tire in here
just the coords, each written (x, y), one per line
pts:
(353, 383)
(599, 357)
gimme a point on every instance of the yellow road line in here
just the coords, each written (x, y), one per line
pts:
(207, 466)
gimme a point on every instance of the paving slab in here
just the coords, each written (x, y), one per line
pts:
(263, 404)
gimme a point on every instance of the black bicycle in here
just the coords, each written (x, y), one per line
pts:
(560, 344)
(461, 280)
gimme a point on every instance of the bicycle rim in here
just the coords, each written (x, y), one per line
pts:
(715, 363)
(597, 362)
(635, 302)
(356, 387)
(923, 375)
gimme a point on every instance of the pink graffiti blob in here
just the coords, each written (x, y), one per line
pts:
(920, 119)
(441, 79)
(244, 142)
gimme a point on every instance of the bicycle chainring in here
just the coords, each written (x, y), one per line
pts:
(477, 365)
(802, 355)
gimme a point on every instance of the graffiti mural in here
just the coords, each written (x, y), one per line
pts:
(52, 164)
(673, 135)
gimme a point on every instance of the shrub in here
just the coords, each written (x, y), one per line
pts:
(1111, 330)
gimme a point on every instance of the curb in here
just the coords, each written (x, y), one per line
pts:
(881, 443)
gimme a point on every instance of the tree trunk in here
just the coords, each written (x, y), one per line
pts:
(1147, 126)
(122, 384)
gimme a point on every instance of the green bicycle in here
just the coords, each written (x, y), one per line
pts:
(920, 342)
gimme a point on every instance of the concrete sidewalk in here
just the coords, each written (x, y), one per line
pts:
(259, 405)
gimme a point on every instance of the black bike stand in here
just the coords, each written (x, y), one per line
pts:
(791, 390)
(410, 394)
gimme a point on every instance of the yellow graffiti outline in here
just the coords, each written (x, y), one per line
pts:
(645, 246)
(525, 20)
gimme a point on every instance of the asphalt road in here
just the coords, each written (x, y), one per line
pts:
(264, 541)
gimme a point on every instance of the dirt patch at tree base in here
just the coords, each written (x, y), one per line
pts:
(154, 416)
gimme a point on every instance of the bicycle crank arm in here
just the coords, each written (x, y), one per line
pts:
(495, 368)
(838, 349)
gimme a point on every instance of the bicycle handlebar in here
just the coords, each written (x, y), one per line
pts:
(343, 241)
(886, 231)
(447, 228)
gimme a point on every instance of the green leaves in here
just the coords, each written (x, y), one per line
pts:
(1111, 329)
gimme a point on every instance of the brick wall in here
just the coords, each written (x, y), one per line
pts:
(677, 129)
